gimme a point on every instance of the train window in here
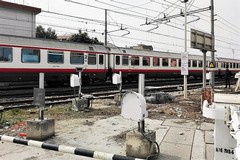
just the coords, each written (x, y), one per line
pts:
(125, 60)
(146, 61)
(92, 59)
(173, 63)
(30, 56)
(117, 60)
(5, 54)
(124, 51)
(189, 63)
(91, 49)
(135, 61)
(179, 63)
(165, 62)
(230, 65)
(76, 58)
(225, 64)
(100, 61)
(194, 63)
(222, 65)
(234, 65)
(55, 57)
(156, 61)
(199, 63)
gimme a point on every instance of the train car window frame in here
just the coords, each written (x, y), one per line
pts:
(125, 60)
(146, 61)
(92, 59)
(6, 54)
(135, 61)
(117, 60)
(199, 64)
(100, 59)
(165, 62)
(58, 57)
(91, 49)
(30, 55)
(156, 61)
(179, 62)
(76, 58)
(173, 62)
(194, 63)
(234, 65)
(222, 65)
(225, 65)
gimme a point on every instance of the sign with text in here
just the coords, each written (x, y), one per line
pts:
(184, 63)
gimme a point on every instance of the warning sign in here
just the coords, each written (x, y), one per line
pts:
(211, 65)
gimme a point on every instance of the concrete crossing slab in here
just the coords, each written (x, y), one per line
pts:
(179, 136)
(198, 147)
(207, 126)
(209, 137)
(173, 151)
(209, 151)
(179, 139)
(180, 123)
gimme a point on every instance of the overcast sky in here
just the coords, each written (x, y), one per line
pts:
(89, 16)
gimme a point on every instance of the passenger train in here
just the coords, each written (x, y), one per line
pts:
(23, 58)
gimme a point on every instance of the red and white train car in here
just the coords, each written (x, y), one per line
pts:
(22, 58)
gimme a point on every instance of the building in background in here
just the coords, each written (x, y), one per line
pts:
(18, 20)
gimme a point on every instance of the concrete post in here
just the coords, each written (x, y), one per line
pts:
(141, 84)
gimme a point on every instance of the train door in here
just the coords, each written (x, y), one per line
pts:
(100, 72)
(117, 61)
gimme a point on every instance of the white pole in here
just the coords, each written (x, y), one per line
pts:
(204, 69)
(41, 85)
(120, 87)
(80, 84)
(185, 48)
(141, 79)
(41, 80)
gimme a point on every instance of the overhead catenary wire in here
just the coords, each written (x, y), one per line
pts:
(116, 23)
(134, 6)
(177, 6)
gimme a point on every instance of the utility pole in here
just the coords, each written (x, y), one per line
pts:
(105, 31)
(213, 45)
(185, 47)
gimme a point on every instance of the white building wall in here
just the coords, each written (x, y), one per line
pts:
(16, 22)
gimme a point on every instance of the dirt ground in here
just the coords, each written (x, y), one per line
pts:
(13, 123)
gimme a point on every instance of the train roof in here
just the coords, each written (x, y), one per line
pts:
(227, 60)
(74, 46)
(49, 44)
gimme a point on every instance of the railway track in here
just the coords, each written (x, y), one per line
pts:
(27, 91)
(51, 100)
(65, 95)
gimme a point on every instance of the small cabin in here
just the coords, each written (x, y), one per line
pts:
(17, 19)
